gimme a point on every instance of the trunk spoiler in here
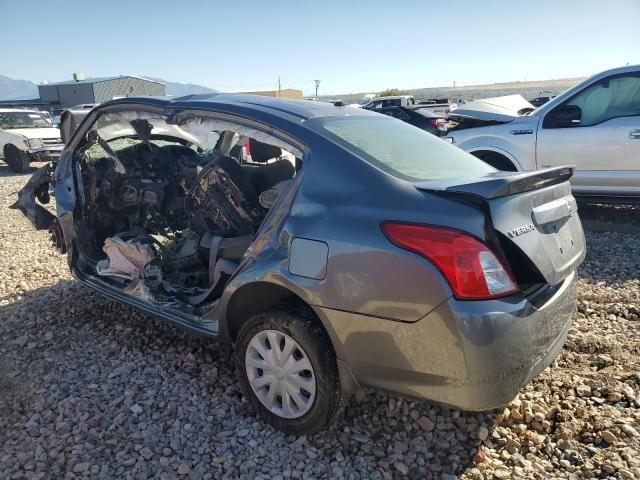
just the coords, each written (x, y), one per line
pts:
(500, 184)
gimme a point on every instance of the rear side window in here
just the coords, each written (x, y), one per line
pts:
(401, 149)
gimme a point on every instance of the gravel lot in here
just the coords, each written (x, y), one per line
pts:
(90, 388)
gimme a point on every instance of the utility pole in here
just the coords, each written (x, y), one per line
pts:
(317, 82)
(279, 85)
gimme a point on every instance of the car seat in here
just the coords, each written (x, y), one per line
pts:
(266, 175)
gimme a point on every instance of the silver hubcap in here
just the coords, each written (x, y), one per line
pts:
(280, 373)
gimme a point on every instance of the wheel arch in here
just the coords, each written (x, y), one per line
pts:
(261, 295)
(255, 297)
(5, 147)
(24, 156)
(482, 152)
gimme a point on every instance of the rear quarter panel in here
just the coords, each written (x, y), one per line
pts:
(341, 202)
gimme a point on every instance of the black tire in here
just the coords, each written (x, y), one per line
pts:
(496, 160)
(329, 397)
(17, 160)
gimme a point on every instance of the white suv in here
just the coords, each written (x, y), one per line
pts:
(27, 136)
(594, 125)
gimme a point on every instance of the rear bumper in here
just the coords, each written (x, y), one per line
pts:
(470, 355)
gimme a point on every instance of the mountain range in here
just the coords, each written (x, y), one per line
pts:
(11, 89)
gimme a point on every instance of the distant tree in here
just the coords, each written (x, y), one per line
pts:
(390, 92)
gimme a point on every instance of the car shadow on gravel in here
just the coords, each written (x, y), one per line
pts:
(610, 218)
(5, 171)
(611, 232)
(119, 380)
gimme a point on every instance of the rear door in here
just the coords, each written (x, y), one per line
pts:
(603, 143)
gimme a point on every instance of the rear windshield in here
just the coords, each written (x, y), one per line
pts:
(400, 149)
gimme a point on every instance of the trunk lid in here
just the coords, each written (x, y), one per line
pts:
(534, 212)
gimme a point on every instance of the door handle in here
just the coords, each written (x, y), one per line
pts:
(634, 134)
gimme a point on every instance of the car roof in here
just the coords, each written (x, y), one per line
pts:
(303, 109)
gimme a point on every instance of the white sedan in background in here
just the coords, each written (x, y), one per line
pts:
(26, 136)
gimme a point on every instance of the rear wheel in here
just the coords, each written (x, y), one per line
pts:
(496, 160)
(288, 371)
(17, 160)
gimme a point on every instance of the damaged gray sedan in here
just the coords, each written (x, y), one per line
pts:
(335, 248)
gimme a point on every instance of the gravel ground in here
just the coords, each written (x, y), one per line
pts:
(90, 388)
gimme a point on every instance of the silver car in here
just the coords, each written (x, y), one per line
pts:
(335, 248)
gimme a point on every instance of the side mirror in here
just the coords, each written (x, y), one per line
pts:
(563, 117)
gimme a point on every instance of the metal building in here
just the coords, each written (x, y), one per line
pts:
(97, 90)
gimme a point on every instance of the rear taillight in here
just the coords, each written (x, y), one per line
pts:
(437, 122)
(471, 268)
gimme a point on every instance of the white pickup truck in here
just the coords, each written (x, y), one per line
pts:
(594, 125)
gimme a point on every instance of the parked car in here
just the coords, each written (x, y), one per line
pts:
(390, 101)
(594, 125)
(438, 105)
(379, 256)
(25, 137)
(417, 116)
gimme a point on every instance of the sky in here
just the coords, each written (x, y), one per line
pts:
(351, 46)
